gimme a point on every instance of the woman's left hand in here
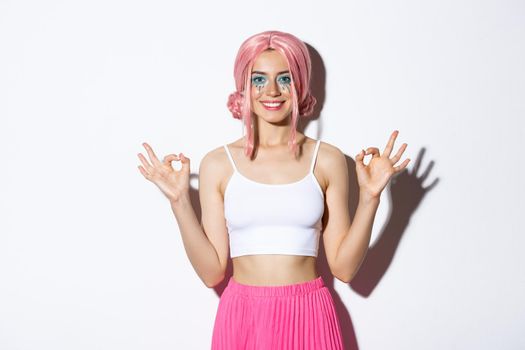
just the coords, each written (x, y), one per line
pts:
(374, 176)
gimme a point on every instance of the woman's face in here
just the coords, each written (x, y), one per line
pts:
(271, 87)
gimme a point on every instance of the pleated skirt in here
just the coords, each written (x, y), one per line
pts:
(294, 316)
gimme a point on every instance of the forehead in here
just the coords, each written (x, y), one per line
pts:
(270, 61)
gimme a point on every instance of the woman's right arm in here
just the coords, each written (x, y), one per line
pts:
(206, 245)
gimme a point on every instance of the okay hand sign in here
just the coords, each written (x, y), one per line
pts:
(374, 176)
(171, 182)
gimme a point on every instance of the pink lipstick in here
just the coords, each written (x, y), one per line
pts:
(272, 105)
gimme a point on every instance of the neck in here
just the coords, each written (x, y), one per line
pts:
(268, 135)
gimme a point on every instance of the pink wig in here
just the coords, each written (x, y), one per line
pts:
(299, 65)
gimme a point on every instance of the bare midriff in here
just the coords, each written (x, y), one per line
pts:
(274, 269)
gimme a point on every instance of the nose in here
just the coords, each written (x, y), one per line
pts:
(273, 88)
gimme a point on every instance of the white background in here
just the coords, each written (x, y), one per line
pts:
(90, 252)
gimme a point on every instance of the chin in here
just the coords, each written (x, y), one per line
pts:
(273, 118)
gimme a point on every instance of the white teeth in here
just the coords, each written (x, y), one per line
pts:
(272, 104)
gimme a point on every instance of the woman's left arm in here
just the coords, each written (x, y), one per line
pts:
(346, 245)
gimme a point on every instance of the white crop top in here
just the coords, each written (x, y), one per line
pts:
(273, 218)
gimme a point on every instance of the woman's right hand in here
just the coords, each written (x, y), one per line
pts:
(174, 184)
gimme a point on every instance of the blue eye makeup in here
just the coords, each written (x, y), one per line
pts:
(285, 80)
(259, 81)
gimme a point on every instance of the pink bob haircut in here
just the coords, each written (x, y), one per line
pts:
(299, 65)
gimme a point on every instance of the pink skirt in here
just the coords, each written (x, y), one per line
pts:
(294, 316)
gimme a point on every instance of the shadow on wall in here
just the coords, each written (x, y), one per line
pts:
(406, 192)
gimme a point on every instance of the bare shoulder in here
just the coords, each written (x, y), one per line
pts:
(213, 162)
(215, 168)
(330, 153)
(332, 163)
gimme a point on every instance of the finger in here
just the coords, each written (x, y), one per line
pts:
(390, 144)
(402, 165)
(359, 159)
(145, 162)
(152, 156)
(170, 158)
(397, 157)
(144, 172)
(374, 151)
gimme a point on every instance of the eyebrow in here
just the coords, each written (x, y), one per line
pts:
(259, 72)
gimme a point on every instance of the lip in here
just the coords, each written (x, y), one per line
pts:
(272, 108)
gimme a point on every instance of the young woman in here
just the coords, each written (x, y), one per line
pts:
(266, 198)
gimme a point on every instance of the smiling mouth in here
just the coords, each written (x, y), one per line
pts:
(272, 106)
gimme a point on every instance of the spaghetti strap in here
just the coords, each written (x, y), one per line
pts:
(314, 157)
(230, 156)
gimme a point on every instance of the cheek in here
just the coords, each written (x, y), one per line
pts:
(256, 107)
(256, 92)
(285, 88)
(258, 89)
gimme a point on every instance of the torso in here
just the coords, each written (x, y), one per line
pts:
(274, 269)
